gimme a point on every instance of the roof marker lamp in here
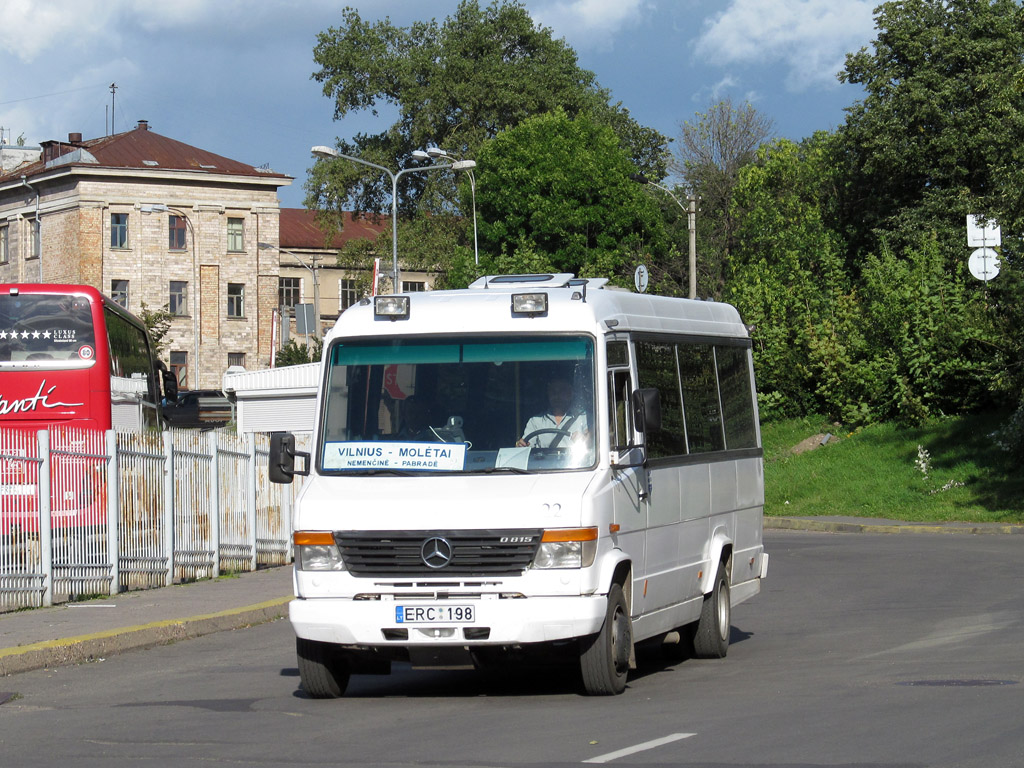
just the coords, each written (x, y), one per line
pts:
(567, 548)
(529, 304)
(391, 307)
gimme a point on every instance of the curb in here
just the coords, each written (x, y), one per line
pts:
(84, 648)
(842, 526)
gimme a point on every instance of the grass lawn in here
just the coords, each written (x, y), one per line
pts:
(872, 472)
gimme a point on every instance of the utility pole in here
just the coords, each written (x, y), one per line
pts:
(691, 220)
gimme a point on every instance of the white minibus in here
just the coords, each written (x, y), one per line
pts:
(538, 464)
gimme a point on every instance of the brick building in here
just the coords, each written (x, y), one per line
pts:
(153, 222)
(156, 223)
(305, 246)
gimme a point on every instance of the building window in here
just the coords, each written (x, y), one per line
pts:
(179, 367)
(236, 358)
(289, 292)
(178, 302)
(236, 300)
(347, 293)
(5, 244)
(413, 286)
(119, 230)
(37, 239)
(176, 233)
(236, 235)
(119, 292)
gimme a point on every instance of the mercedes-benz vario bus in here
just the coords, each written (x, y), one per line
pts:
(537, 463)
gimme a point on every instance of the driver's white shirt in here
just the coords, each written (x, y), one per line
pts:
(578, 426)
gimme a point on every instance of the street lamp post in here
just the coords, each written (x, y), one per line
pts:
(458, 165)
(162, 208)
(312, 271)
(329, 153)
(691, 219)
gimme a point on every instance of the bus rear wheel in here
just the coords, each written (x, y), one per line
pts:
(322, 669)
(604, 657)
(711, 640)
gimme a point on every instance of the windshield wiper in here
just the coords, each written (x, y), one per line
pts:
(492, 470)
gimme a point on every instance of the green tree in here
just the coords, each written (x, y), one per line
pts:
(708, 156)
(158, 323)
(940, 135)
(294, 353)
(554, 193)
(941, 122)
(786, 276)
(455, 85)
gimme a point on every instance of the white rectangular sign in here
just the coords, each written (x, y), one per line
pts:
(979, 236)
(415, 457)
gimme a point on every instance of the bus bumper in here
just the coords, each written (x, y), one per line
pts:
(376, 623)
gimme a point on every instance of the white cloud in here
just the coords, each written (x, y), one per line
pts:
(591, 23)
(810, 37)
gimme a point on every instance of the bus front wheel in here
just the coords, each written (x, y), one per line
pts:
(323, 671)
(604, 657)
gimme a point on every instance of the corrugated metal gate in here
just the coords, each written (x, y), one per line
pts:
(174, 506)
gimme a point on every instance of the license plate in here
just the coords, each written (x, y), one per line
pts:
(435, 614)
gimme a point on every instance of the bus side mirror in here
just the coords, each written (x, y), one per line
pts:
(282, 458)
(647, 410)
(170, 384)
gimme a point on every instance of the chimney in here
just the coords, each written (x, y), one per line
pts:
(74, 138)
(143, 125)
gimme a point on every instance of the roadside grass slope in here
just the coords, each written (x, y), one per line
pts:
(945, 470)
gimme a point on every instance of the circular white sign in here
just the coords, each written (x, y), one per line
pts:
(640, 278)
(984, 264)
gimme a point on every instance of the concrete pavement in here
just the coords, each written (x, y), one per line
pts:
(73, 633)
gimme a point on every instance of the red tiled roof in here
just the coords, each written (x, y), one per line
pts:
(141, 148)
(299, 229)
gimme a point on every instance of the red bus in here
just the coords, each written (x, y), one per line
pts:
(71, 356)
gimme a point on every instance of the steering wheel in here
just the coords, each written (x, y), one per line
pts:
(546, 430)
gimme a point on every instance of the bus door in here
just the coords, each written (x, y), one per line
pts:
(629, 490)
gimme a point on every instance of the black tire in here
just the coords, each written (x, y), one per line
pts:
(604, 658)
(322, 669)
(711, 640)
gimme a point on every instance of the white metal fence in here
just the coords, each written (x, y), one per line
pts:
(171, 506)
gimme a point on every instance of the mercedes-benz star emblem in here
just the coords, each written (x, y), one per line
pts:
(436, 552)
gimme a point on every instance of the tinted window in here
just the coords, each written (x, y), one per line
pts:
(737, 400)
(656, 366)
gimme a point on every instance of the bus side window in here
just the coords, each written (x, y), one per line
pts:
(620, 428)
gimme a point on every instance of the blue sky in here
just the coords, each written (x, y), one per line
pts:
(233, 76)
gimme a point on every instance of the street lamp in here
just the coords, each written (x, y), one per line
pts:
(459, 165)
(161, 208)
(312, 271)
(691, 218)
(329, 153)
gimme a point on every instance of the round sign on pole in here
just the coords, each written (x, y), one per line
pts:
(984, 264)
(640, 278)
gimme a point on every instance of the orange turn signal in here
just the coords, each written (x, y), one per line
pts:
(570, 534)
(313, 538)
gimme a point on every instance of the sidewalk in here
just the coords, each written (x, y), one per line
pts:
(76, 632)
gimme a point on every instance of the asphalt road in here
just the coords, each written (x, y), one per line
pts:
(862, 650)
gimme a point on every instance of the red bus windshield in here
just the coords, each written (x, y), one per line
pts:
(70, 355)
(46, 331)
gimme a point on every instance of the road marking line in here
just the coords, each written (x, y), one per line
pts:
(639, 748)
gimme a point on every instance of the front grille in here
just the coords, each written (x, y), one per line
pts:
(473, 553)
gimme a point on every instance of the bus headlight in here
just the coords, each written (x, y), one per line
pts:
(316, 551)
(567, 548)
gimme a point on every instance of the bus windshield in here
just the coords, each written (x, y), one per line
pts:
(46, 331)
(459, 404)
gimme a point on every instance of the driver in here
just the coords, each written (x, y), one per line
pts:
(558, 423)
